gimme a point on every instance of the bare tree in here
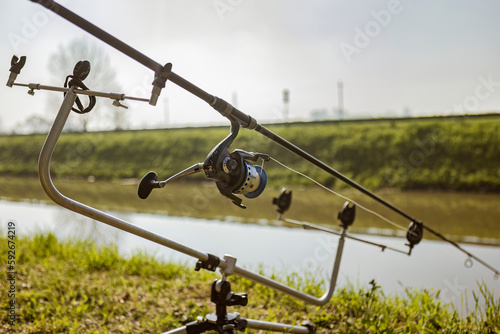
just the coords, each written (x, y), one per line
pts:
(102, 77)
(36, 124)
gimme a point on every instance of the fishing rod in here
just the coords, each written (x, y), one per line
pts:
(164, 73)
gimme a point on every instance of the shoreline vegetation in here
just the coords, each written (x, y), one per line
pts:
(449, 154)
(75, 286)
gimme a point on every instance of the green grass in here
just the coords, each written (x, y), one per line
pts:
(77, 287)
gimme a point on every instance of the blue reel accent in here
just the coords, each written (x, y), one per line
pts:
(262, 183)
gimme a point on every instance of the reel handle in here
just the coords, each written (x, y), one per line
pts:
(149, 181)
(147, 184)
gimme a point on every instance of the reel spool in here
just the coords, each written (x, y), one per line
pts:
(255, 181)
(238, 176)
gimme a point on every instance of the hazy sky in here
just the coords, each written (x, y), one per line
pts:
(423, 56)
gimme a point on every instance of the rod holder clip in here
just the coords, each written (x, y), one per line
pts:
(16, 64)
(211, 264)
(347, 215)
(283, 201)
(159, 82)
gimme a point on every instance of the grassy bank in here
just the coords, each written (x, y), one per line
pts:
(445, 154)
(77, 287)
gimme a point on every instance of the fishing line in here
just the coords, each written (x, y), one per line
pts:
(387, 220)
(468, 262)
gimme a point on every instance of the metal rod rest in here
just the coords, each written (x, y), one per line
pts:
(57, 197)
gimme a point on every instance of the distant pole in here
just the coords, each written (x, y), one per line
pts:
(340, 97)
(286, 101)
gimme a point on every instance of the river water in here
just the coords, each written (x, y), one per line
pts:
(433, 265)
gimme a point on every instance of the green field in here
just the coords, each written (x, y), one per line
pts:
(435, 153)
(74, 286)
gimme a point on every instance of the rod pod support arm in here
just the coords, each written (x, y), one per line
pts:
(85, 210)
(16, 64)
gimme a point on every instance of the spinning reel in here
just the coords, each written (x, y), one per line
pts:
(232, 172)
